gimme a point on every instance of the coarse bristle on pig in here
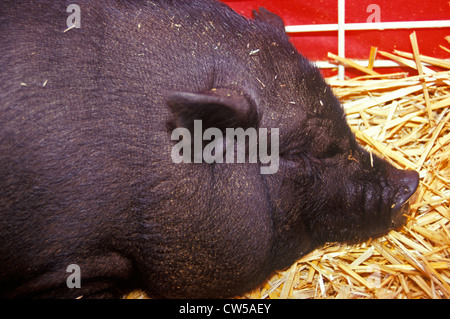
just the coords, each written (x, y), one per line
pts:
(405, 119)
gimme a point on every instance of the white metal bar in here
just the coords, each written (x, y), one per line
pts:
(341, 37)
(369, 26)
(365, 63)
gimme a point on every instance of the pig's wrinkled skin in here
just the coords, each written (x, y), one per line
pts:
(86, 175)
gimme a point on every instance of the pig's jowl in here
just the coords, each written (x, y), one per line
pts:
(86, 174)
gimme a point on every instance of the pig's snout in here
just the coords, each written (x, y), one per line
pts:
(407, 181)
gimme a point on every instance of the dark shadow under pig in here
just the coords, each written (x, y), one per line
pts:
(87, 176)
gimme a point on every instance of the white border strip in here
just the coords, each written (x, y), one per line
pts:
(369, 26)
(341, 37)
(365, 63)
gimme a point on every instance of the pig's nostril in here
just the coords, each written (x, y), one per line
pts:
(408, 182)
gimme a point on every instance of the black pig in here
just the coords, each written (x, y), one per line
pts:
(86, 169)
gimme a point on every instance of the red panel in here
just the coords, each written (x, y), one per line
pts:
(316, 45)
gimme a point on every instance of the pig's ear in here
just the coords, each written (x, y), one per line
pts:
(220, 108)
(268, 17)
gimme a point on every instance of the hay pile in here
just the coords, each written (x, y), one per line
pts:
(406, 120)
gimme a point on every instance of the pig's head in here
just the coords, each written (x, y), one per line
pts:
(327, 188)
(341, 191)
(338, 190)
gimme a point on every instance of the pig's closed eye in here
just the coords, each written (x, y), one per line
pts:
(331, 150)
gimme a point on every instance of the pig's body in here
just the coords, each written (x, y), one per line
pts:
(86, 173)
